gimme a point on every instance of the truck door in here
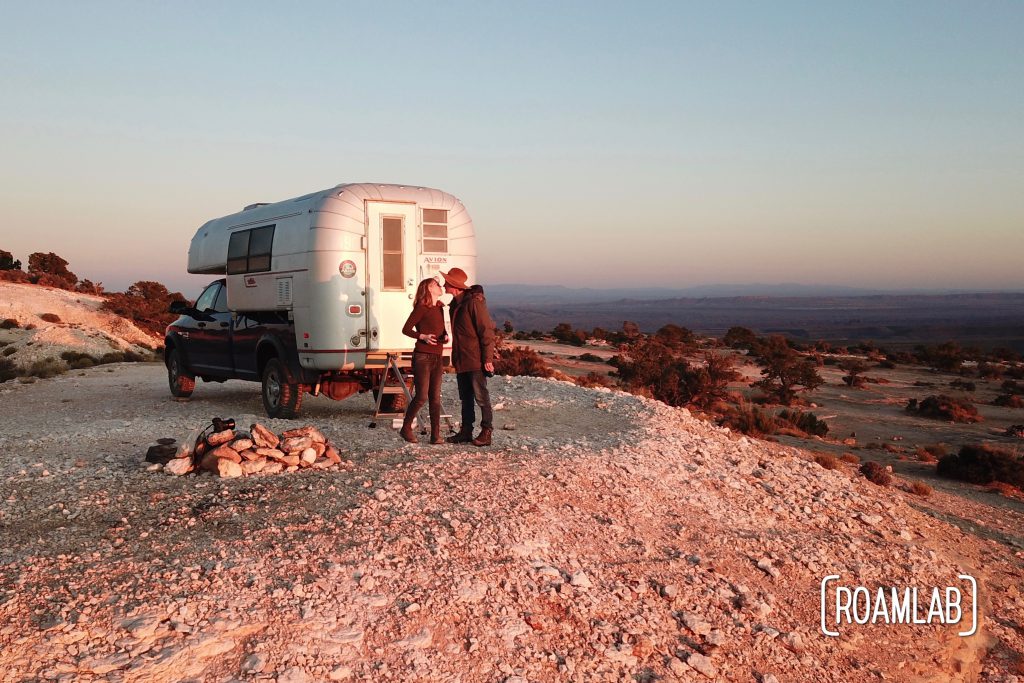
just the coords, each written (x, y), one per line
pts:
(390, 272)
(210, 342)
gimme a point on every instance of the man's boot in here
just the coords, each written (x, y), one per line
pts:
(406, 431)
(435, 429)
(464, 435)
(484, 438)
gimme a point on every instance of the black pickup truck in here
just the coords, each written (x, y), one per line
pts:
(215, 344)
(210, 342)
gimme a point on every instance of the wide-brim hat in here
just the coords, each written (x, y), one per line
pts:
(456, 277)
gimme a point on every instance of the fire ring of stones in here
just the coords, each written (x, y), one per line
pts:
(236, 453)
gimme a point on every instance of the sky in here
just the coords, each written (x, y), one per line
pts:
(595, 144)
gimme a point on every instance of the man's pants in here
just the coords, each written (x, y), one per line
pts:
(473, 387)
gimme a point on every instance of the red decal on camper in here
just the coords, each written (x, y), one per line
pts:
(347, 269)
(250, 281)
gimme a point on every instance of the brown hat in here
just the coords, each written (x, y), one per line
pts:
(456, 277)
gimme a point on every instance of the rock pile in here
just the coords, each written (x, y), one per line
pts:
(235, 453)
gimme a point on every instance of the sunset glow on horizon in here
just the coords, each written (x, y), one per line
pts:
(594, 144)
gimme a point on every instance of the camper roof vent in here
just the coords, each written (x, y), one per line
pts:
(255, 206)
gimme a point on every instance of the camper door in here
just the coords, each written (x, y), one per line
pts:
(390, 272)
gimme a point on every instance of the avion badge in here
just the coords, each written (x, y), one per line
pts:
(844, 606)
(347, 269)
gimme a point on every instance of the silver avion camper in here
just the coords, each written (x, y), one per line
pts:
(315, 290)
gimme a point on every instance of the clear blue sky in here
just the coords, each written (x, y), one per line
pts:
(595, 144)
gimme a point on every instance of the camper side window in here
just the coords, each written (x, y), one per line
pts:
(435, 231)
(238, 252)
(249, 250)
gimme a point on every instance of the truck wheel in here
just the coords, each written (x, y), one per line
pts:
(280, 399)
(182, 384)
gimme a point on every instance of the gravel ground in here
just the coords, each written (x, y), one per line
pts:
(605, 537)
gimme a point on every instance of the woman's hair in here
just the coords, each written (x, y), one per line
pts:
(423, 292)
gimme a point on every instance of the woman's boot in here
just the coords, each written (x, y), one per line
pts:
(406, 431)
(435, 429)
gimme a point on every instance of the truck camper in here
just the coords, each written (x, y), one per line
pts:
(312, 292)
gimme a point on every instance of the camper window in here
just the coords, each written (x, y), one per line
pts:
(249, 250)
(238, 252)
(392, 252)
(435, 231)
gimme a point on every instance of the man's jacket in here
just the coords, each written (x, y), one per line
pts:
(472, 331)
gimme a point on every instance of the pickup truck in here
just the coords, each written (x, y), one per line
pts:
(210, 342)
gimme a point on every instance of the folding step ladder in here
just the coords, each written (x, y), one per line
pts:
(391, 371)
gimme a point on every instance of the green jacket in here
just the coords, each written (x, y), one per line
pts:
(472, 331)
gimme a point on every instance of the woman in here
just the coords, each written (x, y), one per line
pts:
(426, 326)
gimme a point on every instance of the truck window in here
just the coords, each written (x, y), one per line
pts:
(435, 231)
(221, 305)
(208, 297)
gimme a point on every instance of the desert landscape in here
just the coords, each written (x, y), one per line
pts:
(604, 536)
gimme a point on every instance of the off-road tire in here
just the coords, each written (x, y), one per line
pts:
(181, 383)
(280, 399)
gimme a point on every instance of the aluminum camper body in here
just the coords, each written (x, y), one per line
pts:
(313, 292)
(345, 262)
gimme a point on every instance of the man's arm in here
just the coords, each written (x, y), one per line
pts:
(485, 332)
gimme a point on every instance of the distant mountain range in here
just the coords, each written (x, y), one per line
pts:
(517, 294)
(985, 319)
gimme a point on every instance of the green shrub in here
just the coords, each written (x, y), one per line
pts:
(593, 379)
(962, 385)
(850, 458)
(49, 317)
(945, 408)
(590, 358)
(77, 360)
(983, 464)
(44, 369)
(828, 461)
(876, 473)
(919, 488)
(751, 420)
(8, 370)
(805, 422)
(930, 453)
(520, 361)
(9, 324)
(1009, 401)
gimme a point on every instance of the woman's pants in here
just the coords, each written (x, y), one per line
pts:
(427, 371)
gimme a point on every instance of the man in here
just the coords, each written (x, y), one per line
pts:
(472, 354)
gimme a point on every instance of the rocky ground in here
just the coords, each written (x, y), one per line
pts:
(602, 537)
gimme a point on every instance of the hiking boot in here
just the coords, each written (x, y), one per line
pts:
(462, 436)
(484, 438)
(407, 433)
(435, 429)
